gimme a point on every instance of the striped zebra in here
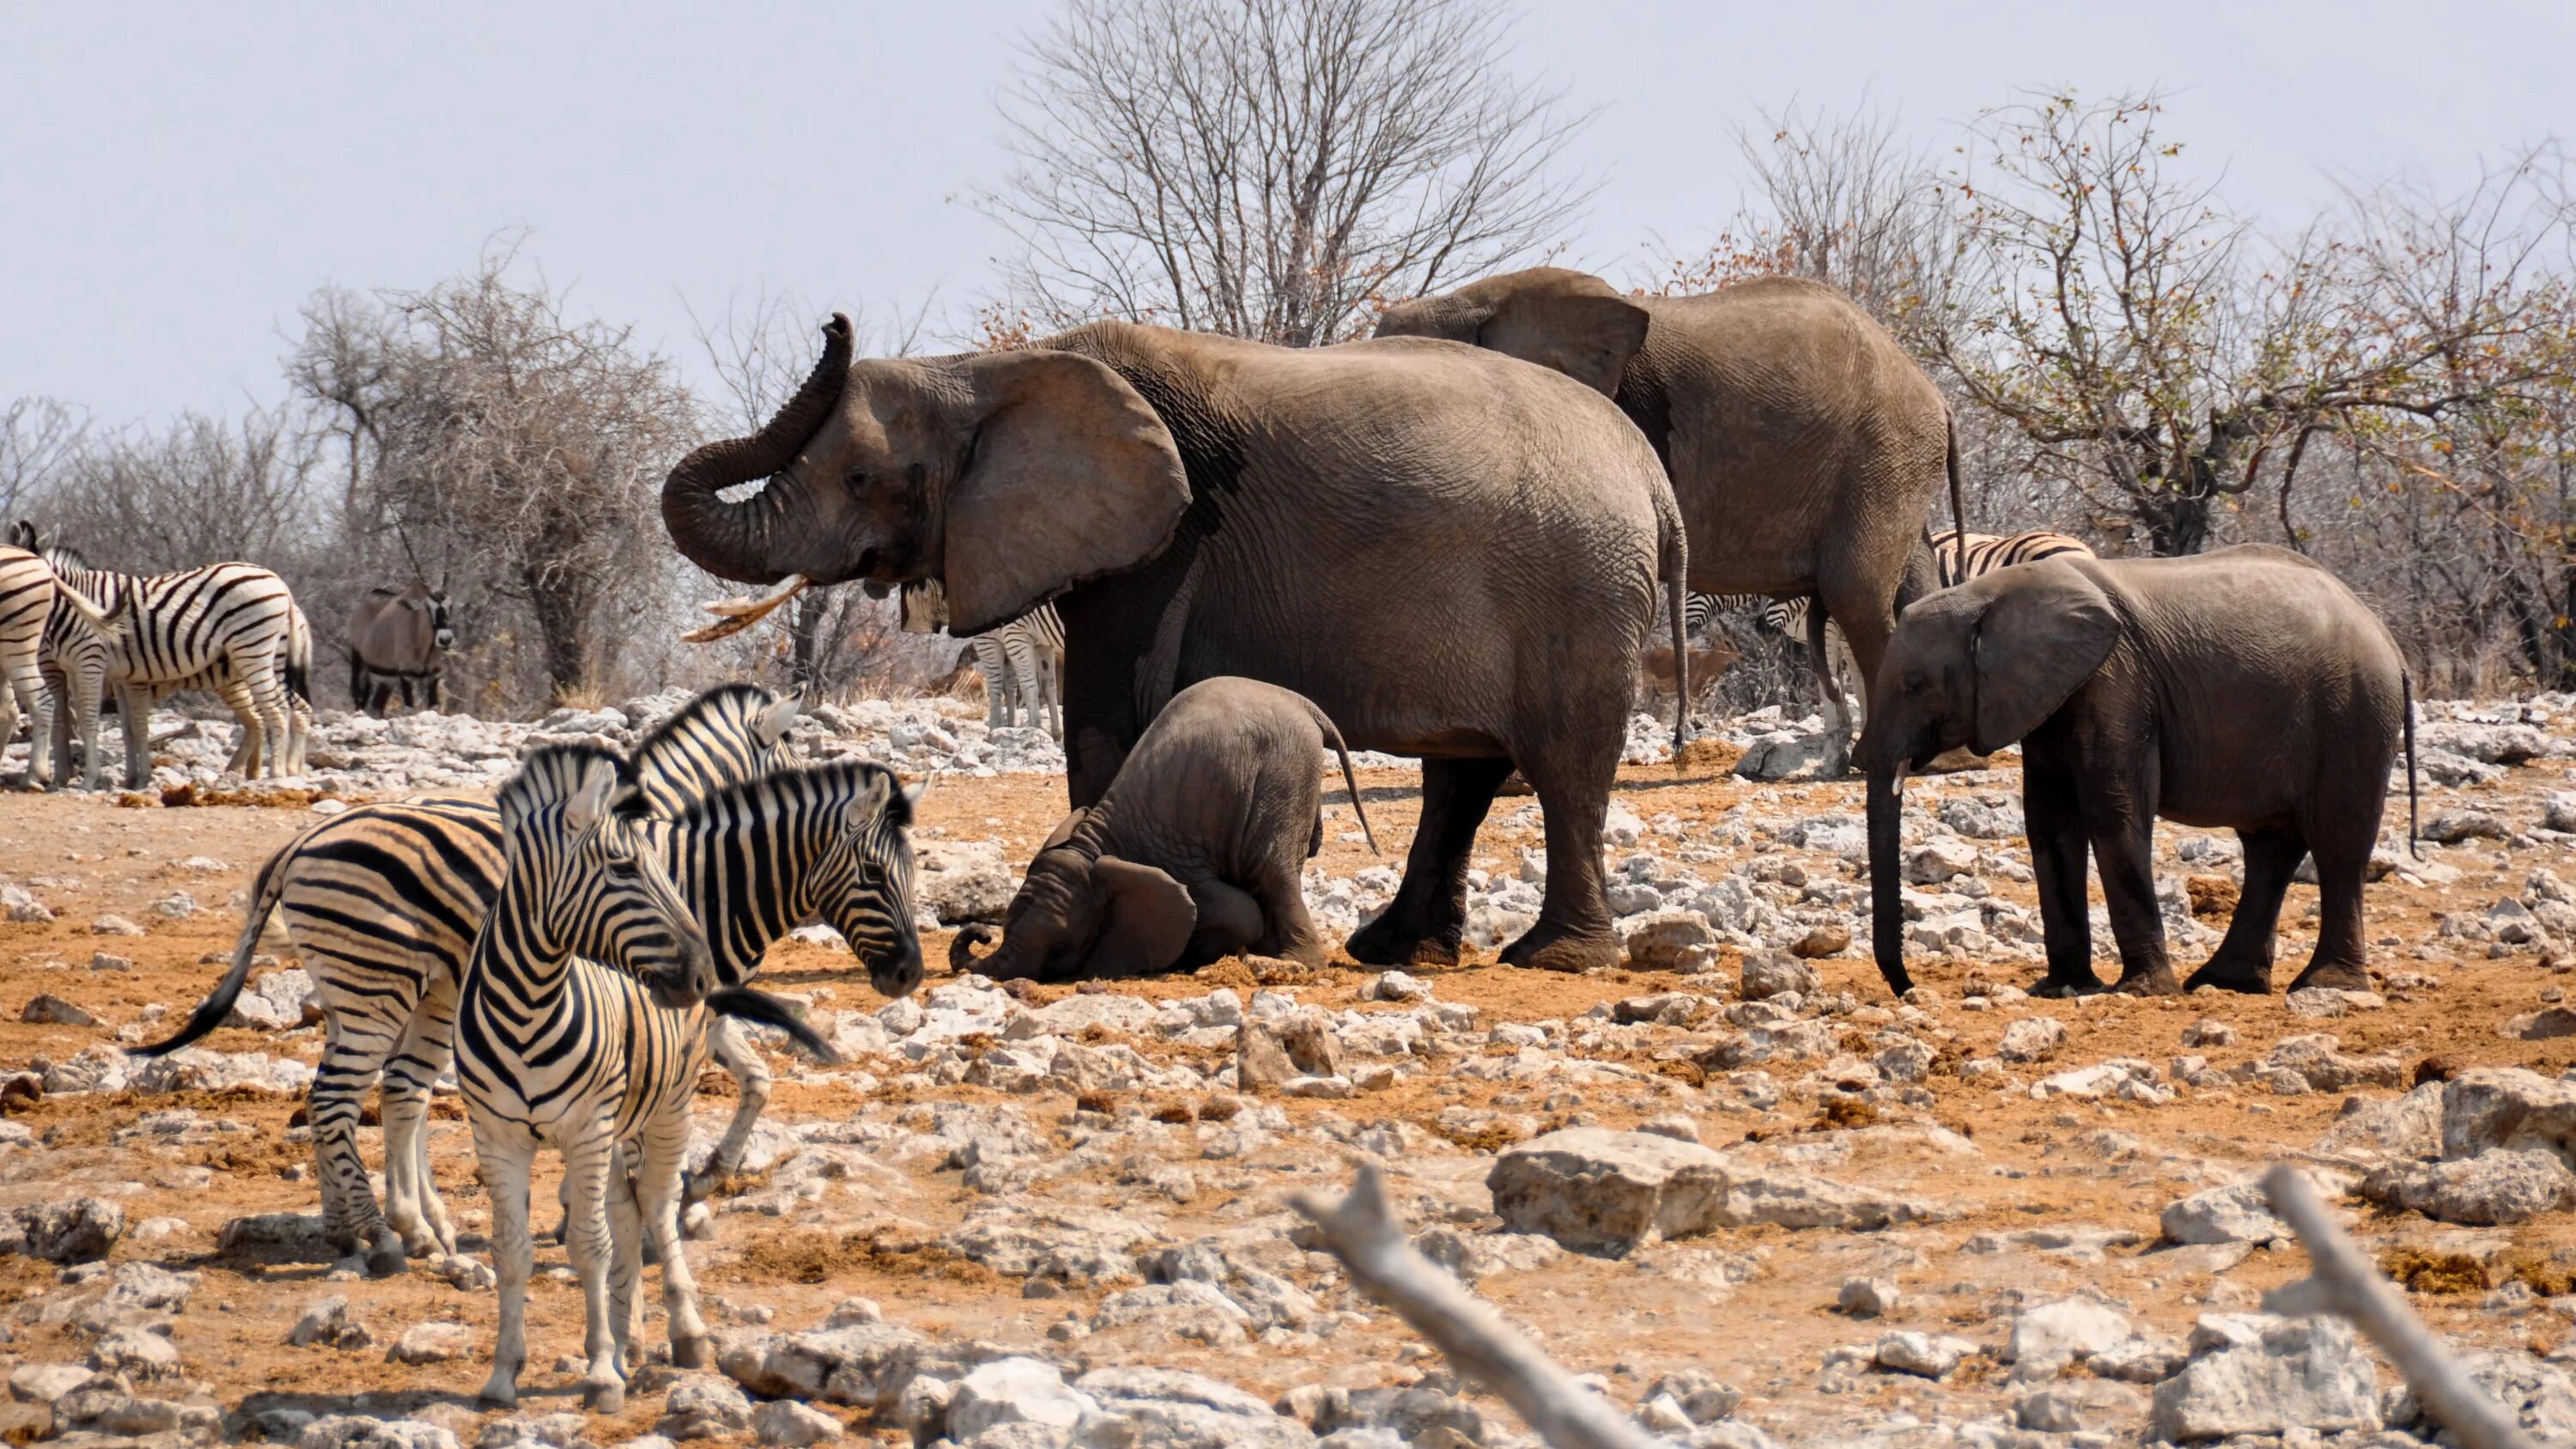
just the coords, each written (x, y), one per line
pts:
(1023, 665)
(220, 680)
(1022, 661)
(166, 632)
(26, 599)
(585, 1056)
(1985, 552)
(383, 901)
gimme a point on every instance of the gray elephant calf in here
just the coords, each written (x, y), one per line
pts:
(1194, 852)
(2244, 688)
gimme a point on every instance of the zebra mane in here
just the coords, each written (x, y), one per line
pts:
(549, 774)
(727, 706)
(727, 802)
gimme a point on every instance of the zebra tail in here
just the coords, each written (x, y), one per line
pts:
(2407, 684)
(742, 1003)
(1350, 778)
(1958, 494)
(218, 1004)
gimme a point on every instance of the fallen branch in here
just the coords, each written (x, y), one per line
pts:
(736, 615)
(2343, 1282)
(1361, 1232)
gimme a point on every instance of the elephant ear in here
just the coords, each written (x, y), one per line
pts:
(1071, 476)
(1148, 919)
(2045, 632)
(1589, 336)
(1063, 831)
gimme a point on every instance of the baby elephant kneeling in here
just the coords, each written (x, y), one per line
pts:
(1193, 853)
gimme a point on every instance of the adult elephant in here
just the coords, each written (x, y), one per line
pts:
(1455, 555)
(1805, 447)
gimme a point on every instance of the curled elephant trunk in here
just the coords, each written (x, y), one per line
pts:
(1886, 889)
(961, 950)
(742, 541)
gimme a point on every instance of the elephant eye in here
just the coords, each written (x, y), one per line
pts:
(857, 480)
(1915, 684)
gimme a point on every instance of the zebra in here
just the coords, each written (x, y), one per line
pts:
(585, 1057)
(1022, 661)
(383, 902)
(167, 632)
(1957, 555)
(220, 680)
(26, 599)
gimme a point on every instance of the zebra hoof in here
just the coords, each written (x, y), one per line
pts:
(386, 1258)
(604, 1398)
(691, 1352)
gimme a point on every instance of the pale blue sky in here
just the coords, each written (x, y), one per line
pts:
(180, 177)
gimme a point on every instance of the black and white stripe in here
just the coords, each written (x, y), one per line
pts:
(26, 600)
(1986, 552)
(581, 1026)
(232, 622)
(1023, 665)
(382, 902)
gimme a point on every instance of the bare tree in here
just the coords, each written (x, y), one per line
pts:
(1271, 168)
(532, 444)
(198, 491)
(38, 436)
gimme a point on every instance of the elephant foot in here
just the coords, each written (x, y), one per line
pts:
(2335, 976)
(2059, 987)
(2231, 976)
(2159, 982)
(1386, 942)
(1556, 948)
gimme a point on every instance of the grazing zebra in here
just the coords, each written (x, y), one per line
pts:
(167, 632)
(587, 1058)
(220, 680)
(383, 902)
(26, 599)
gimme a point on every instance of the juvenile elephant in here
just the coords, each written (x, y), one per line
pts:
(1453, 554)
(2244, 688)
(1194, 852)
(1805, 446)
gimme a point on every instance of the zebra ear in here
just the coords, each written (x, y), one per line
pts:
(772, 722)
(590, 799)
(870, 801)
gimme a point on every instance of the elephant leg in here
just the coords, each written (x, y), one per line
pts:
(1428, 917)
(2243, 961)
(2340, 958)
(2124, 847)
(1291, 929)
(1573, 931)
(2059, 854)
(1229, 922)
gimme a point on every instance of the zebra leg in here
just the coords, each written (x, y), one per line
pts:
(626, 1259)
(427, 1044)
(1026, 692)
(657, 1185)
(752, 1078)
(246, 751)
(134, 707)
(351, 1058)
(507, 1154)
(997, 680)
(266, 688)
(28, 693)
(1051, 692)
(586, 1163)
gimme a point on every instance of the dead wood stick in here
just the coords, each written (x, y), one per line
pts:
(1361, 1232)
(2342, 1281)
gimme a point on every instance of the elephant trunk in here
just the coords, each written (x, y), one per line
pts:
(746, 541)
(1886, 888)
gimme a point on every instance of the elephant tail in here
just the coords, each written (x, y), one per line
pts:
(2406, 684)
(961, 949)
(1350, 778)
(1674, 563)
(1958, 496)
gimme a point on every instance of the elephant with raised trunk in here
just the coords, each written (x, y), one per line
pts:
(1805, 447)
(2245, 688)
(1453, 554)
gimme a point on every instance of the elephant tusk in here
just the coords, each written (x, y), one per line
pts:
(1896, 782)
(740, 614)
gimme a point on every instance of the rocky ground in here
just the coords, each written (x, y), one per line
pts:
(1734, 1183)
